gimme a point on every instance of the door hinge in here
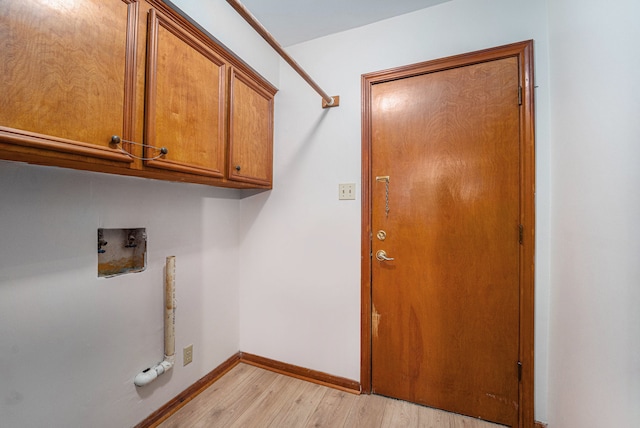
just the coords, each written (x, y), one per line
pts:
(520, 233)
(519, 95)
(519, 371)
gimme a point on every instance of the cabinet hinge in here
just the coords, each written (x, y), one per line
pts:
(520, 233)
(519, 95)
(519, 371)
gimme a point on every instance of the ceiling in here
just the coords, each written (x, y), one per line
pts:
(295, 21)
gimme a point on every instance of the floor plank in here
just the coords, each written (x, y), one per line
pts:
(400, 414)
(296, 413)
(251, 397)
(368, 411)
(197, 407)
(263, 410)
(333, 409)
(226, 409)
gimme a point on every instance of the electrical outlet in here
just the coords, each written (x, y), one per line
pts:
(347, 191)
(187, 355)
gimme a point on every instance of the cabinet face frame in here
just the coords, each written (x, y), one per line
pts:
(27, 145)
(156, 22)
(256, 149)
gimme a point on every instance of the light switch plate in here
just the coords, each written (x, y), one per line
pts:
(347, 191)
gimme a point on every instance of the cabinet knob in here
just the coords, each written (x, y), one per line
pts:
(237, 167)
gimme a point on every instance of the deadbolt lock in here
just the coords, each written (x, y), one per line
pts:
(382, 235)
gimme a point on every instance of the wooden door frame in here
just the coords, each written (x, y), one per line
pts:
(523, 51)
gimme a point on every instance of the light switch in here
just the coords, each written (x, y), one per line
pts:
(347, 191)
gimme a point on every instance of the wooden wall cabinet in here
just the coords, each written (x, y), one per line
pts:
(75, 75)
(185, 101)
(66, 83)
(250, 130)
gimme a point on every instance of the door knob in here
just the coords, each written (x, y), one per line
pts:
(381, 255)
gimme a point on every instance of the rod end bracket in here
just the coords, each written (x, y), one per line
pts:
(335, 103)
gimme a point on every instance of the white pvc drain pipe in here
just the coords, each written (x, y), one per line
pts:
(150, 374)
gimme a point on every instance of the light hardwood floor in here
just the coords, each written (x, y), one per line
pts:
(249, 397)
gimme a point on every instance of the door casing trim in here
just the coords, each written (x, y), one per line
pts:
(523, 51)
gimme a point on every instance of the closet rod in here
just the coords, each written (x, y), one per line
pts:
(327, 101)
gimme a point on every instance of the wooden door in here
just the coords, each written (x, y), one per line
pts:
(446, 216)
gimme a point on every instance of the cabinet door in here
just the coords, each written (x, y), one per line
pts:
(62, 79)
(184, 101)
(250, 131)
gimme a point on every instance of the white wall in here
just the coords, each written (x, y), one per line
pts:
(300, 248)
(70, 343)
(594, 359)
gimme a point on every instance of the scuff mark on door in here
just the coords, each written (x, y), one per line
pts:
(375, 322)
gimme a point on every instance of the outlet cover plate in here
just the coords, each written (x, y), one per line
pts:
(187, 355)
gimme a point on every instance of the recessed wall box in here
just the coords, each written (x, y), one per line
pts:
(121, 251)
